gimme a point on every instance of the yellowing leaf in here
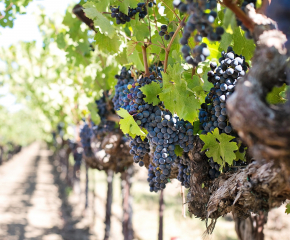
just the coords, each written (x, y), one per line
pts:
(219, 147)
(128, 124)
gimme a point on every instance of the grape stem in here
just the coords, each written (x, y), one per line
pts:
(145, 61)
(167, 50)
(240, 14)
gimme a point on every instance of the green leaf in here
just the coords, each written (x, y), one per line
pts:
(229, 21)
(140, 29)
(151, 91)
(131, 46)
(225, 41)
(274, 97)
(168, 9)
(219, 147)
(196, 128)
(107, 44)
(176, 96)
(240, 156)
(100, 20)
(242, 45)
(60, 40)
(178, 151)
(94, 113)
(135, 59)
(122, 57)
(287, 208)
(127, 3)
(128, 124)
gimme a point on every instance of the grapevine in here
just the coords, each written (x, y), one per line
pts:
(155, 84)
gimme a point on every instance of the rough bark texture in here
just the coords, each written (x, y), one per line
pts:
(265, 183)
(252, 227)
(264, 128)
(111, 152)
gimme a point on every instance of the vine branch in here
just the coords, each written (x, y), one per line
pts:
(167, 50)
(145, 61)
(240, 14)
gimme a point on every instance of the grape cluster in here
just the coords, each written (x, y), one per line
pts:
(183, 171)
(139, 148)
(213, 112)
(201, 24)
(105, 126)
(165, 130)
(122, 18)
(239, 23)
(77, 158)
(120, 99)
(152, 179)
(200, 53)
(102, 107)
(101, 130)
(85, 135)
(163, 33)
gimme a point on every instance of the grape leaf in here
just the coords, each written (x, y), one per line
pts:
(274, 96)
(94, 113)
(107, 44)
(242, 45)
(140, 29)
(196, 128)
(131, 46)
(229, 21)
(151, 91)
(176, 96)
(178, 151)
(225, 41)
(219, 147)
(128, 124)
(287, 208)
(100, 21)
(168, 9)
(127, 3)
(240, 156)
(135, 59)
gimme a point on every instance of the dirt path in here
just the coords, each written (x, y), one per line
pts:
(33, 203)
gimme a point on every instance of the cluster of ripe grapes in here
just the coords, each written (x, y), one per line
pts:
(199, 53)
(105, 126)
(201, 24)
(183, 171)
(121, 89)
(163, 33)
(165, 130)
(213, 113)
(243, 6)
(85, 135)
(122, 18)
(139, 148)
(224, 77)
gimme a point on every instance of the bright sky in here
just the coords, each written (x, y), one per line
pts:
(25, 29)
